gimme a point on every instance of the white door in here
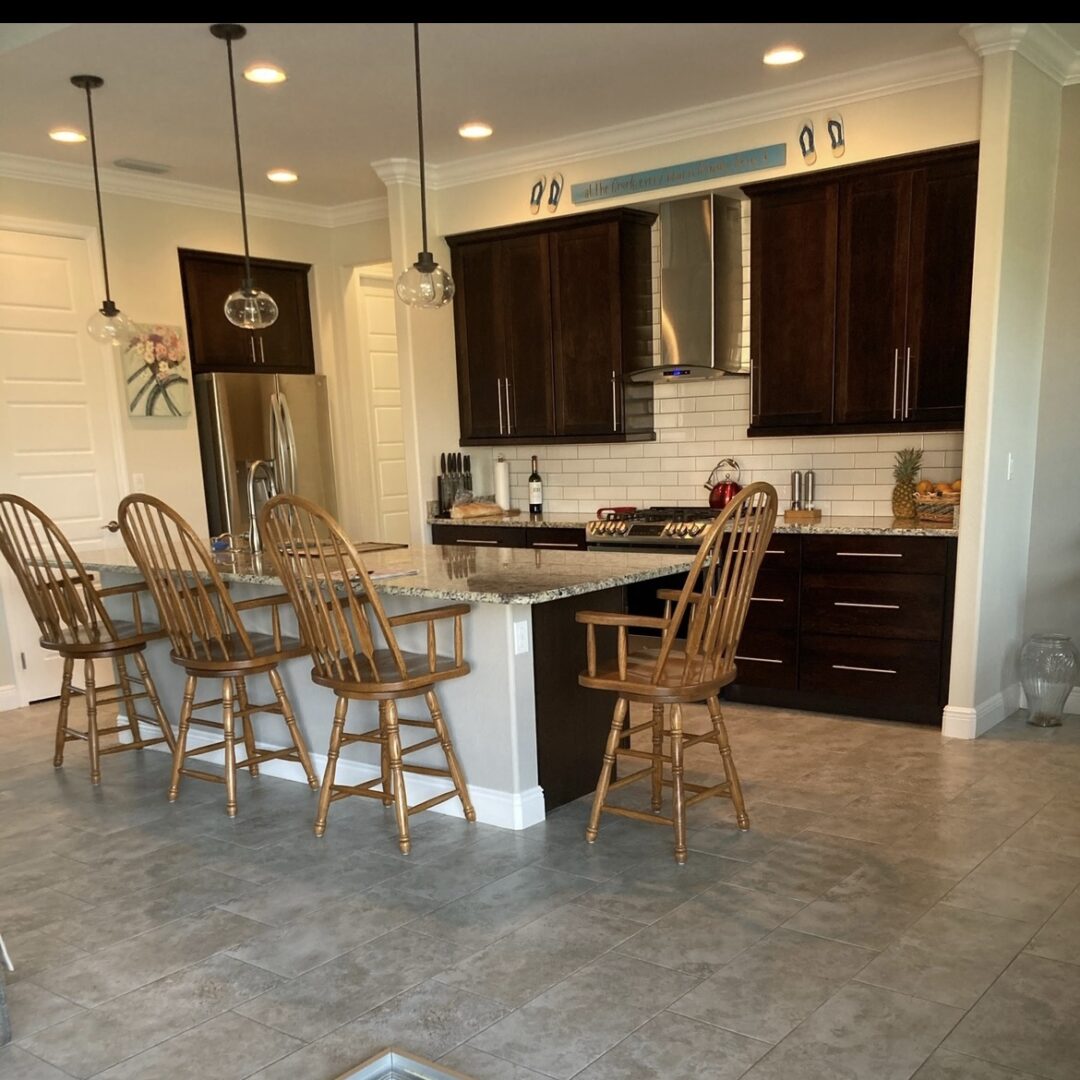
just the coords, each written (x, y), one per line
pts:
(383, 394)
(59, 437)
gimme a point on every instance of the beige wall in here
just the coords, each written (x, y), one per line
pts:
(1053, 592)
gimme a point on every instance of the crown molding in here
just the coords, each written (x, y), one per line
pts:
(178, 192)
(402, 171)
(862, 84)
(1039, 44)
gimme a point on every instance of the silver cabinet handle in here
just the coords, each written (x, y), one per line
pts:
(870, 554)
(758, 659)
(498, 398)
(552, 544)
(614, 405)
(509, 425)
(462, 541)
(251, 342)
(907, 384)
(895, 379)
(767, 599)
(775, 551)
(851, 603)
(871, 670)
(752, 366)
(262, 351)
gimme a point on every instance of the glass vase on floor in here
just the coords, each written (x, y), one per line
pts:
(1048, 665)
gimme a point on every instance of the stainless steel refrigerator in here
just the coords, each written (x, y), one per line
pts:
(281, 419)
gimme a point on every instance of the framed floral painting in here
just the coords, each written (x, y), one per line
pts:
(157, 372)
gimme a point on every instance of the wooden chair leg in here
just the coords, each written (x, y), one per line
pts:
(678, 794)
(62, 717)
(443, 733)
(227, 722)
(181, 736)
(247, 727)
(341, 709)
(384, 762)
(155, 701)
(657, 749)
(91, 722)
(397, 774)
(120, 664)
(617, 721)
(294, 728)
(742, 819)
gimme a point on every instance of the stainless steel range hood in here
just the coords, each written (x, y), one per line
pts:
(701, 291)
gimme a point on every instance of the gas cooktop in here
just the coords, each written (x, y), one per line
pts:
(664, 526)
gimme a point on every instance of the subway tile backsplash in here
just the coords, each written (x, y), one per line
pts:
(700, 422)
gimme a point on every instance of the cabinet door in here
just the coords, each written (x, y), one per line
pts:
(586, 318)
(793, 236)
(526, 301)
(939, 294)
(215, 344)
(478, 331)
(871, 297)
(286, 346)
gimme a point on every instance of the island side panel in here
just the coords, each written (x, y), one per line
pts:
(572, 723)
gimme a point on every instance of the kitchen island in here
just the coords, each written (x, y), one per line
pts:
(528, 737)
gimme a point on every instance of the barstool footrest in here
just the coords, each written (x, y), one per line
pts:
(638, 815)
(426, 770)
(135, 744)
(624, 780)
(428, 803)
(198, 774)
(423, 745)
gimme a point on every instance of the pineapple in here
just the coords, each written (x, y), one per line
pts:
(906, 473)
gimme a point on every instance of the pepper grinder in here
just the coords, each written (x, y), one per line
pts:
(796, 490)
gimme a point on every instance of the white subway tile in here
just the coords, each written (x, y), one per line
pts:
(856, 443)
(855, 476)
(815, 444)
(852, 509)
(944, 440)
(627, 450)
(834, 461)
(579, 493)
(675, 434)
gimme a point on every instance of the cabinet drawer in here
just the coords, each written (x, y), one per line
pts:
(782, 552)
(766, 658)
(479, 535)
(875, 554)
(774, 604)
(908, 606)
(567, 539)
(869, 669)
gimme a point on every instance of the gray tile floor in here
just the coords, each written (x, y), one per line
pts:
(903, 906)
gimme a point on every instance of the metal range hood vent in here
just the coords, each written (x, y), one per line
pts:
(701, 291)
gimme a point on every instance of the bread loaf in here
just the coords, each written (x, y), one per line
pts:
(476, 510)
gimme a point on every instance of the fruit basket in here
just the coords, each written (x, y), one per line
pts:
(937, 507)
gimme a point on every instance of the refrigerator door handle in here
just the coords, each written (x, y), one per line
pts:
(277, 450)
(289, 439)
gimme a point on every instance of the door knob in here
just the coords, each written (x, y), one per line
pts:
(113, 526)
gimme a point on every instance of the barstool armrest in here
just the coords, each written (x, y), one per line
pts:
(431, 616)
(593, 619)
(135, 591)
(673, 596)
(275, 603)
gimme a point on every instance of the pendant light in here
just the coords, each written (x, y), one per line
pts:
(248, 307)
(425, 284)
(108, 324)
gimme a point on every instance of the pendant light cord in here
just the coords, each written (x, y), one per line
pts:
(420, 133)
(248, 280)
(97, 194)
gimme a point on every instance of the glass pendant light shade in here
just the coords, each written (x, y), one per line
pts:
(110, 326)
(425, 284)
(251, 309)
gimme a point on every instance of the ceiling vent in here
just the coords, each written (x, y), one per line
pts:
(155, 168)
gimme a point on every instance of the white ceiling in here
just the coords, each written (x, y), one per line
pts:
(349, 99)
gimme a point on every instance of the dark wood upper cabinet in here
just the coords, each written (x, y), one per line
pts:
(549, 319)
(793, 290)
(208, 278)
(860, 296)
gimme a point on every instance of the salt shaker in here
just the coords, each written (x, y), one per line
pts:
(808, 489)
(796, 490)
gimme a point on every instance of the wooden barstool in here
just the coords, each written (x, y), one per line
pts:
(210, 641)
(70, 612)
(714, 602)
(342, 620)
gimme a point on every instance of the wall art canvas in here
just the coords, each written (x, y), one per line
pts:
(157, 372)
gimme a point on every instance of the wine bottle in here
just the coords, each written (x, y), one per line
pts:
(536, 490)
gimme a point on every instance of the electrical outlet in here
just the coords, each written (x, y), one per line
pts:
(1010, 468)
(521, 638)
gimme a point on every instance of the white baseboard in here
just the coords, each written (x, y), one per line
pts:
(1072, 702)
(506, 809)
(9, 697)
(960, 722)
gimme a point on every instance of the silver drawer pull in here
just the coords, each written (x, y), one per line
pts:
(759, 659)
(767, 599)
(872, 670)
(870, 554)
(851, 603)
(775, 551)
(462, 541)
(552, 544)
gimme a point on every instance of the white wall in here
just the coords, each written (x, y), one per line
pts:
(1017, 171)
(1053, 587)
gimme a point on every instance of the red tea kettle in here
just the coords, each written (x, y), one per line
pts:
(723, 483)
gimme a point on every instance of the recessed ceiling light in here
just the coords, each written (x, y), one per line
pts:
(783, 54)
(264, 73)
(67, 135)
(474, 129)
(282, 176)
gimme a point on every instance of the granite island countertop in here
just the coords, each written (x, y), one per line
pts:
(828, 526)
(470, 575)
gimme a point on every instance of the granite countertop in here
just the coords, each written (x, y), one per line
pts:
(469, 574)
(827, 526)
